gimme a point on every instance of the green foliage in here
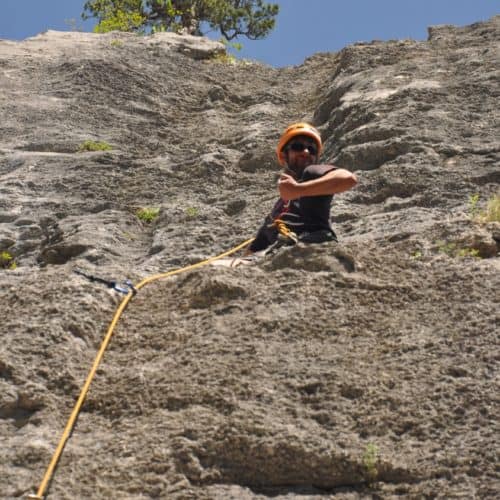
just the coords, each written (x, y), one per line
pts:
(251, 18)
(417, 254)
(225, 58)
(120, 21)
(233, 45)
(370, 460)
(116, 43)
(148, 215)
(473, 202)
(446, 247)
(7, 261)
(254, 19)
(192, 212)
(467, 252)
(94, 146)
(452, 249)
(173, 15)
(492, 213)
(228, 58)
(115, 15)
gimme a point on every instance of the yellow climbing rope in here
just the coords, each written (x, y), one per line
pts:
(74, 414)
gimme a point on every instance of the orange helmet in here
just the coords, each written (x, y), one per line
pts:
(294, 130)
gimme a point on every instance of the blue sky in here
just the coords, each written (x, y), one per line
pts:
(303, 27)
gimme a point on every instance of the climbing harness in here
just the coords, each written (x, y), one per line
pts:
(121, 308)
(281, 226)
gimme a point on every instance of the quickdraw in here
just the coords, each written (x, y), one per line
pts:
(125, 287)
(284, 230)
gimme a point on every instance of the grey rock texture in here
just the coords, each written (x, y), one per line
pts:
(365, 369)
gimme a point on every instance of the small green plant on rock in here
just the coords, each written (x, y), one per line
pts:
(94, 146)
(370, 460)
(148, 215)
(224, 58)
(416, 255)
(468, 252)
(192, 212)
(448, 248)
(452, 249)
(473, 205)
(117, 44)
(7, 261)
(492, 213)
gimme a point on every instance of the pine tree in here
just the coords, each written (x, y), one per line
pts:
(254, 19)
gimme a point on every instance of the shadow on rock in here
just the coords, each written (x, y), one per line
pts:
(329, 257)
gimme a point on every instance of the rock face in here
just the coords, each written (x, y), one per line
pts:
(365, 368)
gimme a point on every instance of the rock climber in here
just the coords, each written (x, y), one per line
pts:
(306, 190)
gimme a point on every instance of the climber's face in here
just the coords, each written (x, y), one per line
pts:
(300, 152)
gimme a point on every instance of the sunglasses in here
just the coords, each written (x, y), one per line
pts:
(300, 146)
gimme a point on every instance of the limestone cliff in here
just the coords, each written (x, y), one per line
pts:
(368, 367)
